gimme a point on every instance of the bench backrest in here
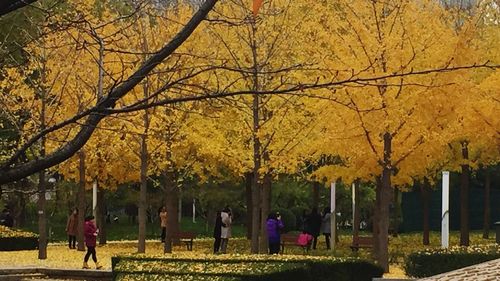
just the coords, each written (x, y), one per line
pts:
(362, 240)
(185, 235)
(290, 238)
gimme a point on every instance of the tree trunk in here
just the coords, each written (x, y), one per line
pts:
(487, 205)
(248, 197)
(397, 212)
(357, 209)
(81, 202)
(141, 245)
(464, 198)
(42, 217)
(425, 190)
(172, 209)
(375, 218)
(315, 193)
(256, 212)
(101, 215)
(385, 200)
(21, 220)
(265, 210)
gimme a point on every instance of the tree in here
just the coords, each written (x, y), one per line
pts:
(261, 132)
(380, 129)
(11, 171)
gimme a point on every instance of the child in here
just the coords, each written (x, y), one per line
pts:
(304, 240)
(90, 231)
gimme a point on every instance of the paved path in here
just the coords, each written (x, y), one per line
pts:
(36, 273)
(487, 271)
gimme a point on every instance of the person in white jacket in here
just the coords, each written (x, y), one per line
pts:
(225, 233)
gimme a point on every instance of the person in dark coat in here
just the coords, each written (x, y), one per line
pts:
(314, 224)
(217, 232)
(274, 227)
(90, 232)
(6, 219)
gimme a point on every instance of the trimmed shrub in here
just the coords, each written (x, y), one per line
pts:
(432, 262)
(16, 240)
(243, 268)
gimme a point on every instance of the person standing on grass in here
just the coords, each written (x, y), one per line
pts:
(217, 232)
(163, 223)
(274, 227)
(326, 226)
(72, 228)
(226, 218)
(90, 231)
(314, 225)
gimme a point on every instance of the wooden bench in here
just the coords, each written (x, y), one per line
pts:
(186, 238)
(291, 240)
(361, 242)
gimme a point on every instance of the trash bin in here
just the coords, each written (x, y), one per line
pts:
(497, 231)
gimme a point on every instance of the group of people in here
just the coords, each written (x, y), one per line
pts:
(222, 230)
(90, 232)
(315, 223)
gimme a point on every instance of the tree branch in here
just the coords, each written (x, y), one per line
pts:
(19, 171)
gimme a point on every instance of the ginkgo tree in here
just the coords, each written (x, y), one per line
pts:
(377, 128)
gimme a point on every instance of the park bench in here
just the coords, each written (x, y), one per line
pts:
(361, 242)
(291, 240)
(186, 238)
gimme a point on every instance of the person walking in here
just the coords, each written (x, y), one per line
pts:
(274, 226)
(217, 232)
(91, 232)
(314, 224)
(163, 223)
(326, 226)
(72, 228)
(226, 219)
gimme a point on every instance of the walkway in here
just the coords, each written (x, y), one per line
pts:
(487, 271)
(41, 273)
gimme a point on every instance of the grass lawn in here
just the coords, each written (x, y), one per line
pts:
(62, 257)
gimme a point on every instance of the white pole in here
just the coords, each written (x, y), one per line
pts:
(445, 214)
(333, 224)
(353, 204)
(194, 210)
(94, 199)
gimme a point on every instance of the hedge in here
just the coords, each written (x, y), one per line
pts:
(432, 262)
(16, 240)
(242, 268)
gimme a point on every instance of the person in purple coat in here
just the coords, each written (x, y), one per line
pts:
(274, 227)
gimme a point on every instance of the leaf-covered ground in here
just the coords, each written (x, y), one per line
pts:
(59, 256)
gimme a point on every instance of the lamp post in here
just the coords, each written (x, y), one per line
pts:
(445, 213)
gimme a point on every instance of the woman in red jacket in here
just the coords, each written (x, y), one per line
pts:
(90, 231)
